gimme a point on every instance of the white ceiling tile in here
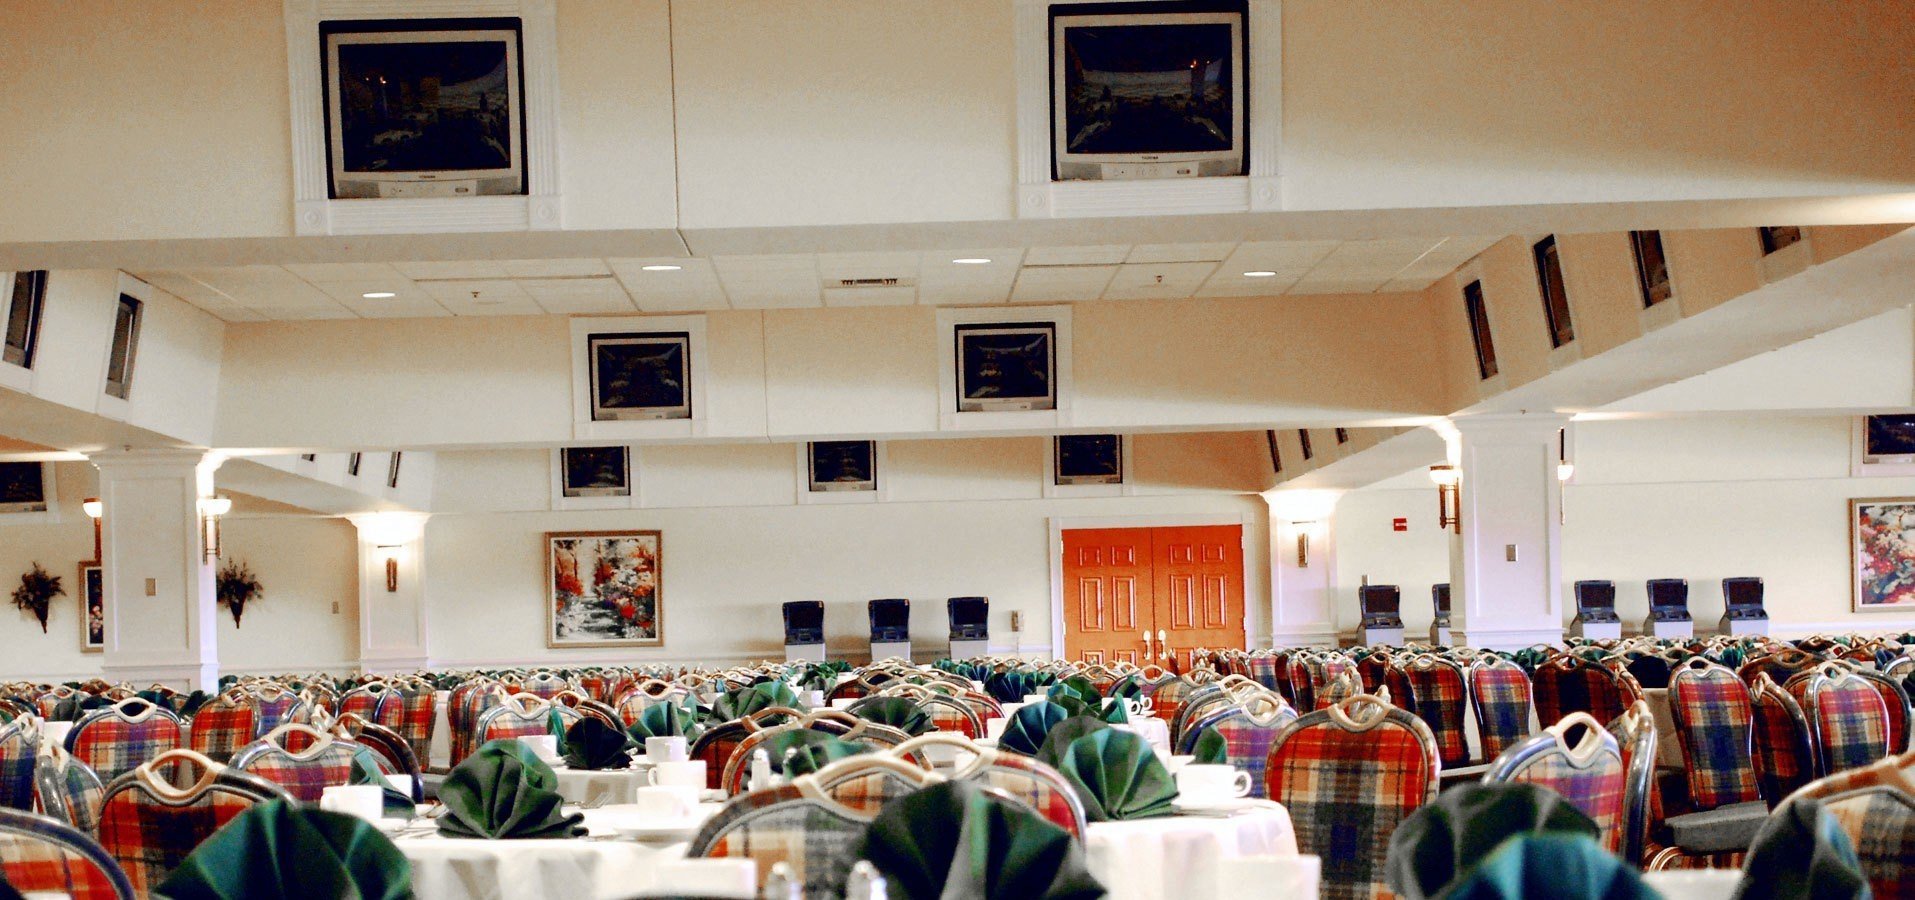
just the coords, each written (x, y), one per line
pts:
(421, 307)
(1277, 256)
(1337, 285)
(1165, 253)
(483, 298)
(321, 273)
(187, 289)
(309, 313)
(870, 296)
(1103, 254)
(265, 289)
(555, 268)
(1055, 283)
(941, 281)
(1158, 281)
(352, 293)
(1229, 281)
(692, 286)
(769, 282)
(833, 266)
(569, 296)
(469, 269)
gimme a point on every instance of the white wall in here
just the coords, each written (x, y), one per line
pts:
(59, 547)
(1701, 498)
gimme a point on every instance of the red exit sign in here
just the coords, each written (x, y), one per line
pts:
(1400, 523)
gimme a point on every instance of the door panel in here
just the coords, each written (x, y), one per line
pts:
(1107, 577)
(1121, 583)
(1199, 588)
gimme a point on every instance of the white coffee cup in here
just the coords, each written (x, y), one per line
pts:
(669, 803)
(1209, 783)
(364, 801)
(685, 773)
(1139, 707)
(994, 728)
(735, 879)
(543, 746)
(1173, 762)
(665, 749)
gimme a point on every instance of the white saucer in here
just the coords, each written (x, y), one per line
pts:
(392, 826)
(1227, 806)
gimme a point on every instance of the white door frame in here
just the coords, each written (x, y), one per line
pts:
(1061, 524)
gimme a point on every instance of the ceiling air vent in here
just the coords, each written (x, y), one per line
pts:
(873, 282)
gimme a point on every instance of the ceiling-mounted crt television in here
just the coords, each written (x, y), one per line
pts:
(1147, 94)
(423, 107)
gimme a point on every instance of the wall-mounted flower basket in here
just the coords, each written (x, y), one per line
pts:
(237, 587)
(36, 592)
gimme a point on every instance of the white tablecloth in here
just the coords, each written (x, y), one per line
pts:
(440, 755)
(1153, 730)
(1175, 857)
(470, 869)
(598, 788)
(1697, 884)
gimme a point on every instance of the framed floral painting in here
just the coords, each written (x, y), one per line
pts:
(92, 607)
(603, 589)
(1882, 542)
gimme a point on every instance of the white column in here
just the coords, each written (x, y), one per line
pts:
(158, 582)
(1506, 564)
(392, 591)
(1302, 568)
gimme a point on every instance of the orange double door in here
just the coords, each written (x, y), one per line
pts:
(1152, 595)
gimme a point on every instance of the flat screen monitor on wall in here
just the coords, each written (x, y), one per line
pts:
(23, 487)
(1012, 366)
(423, 108)
(641, 376)
(1154, 93)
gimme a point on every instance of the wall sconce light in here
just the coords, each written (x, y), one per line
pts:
(1303, 545)
(1449, 507)
(391, 553)
(211, 509)
(94, 509)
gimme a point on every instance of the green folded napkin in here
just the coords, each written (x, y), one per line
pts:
(1117, 775)
(592, 744)
(1116, 713)
(667, 719)
(1558, 865)
(952, 841)
(1076, 686)
(365, 770)
(810, 756)
(1129, 687)
(1802, 853)
(1439, 843)
(897, 712)
(780, 745)
(1010, 686)
(741, 703)
(1025, 732)
(1211, 749)
(504, 791)
(1063, 733)
(278, 849)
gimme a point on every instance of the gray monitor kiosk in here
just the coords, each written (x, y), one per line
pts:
(1669, 609)
(1382, 606)
(805, 631)
(1596, 617)
(970, 626)
(1742, 611)
(1440, 624)
(890, 629)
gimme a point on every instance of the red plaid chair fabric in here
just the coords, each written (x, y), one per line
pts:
(410, 712)
(223, 725)
(41, 854)
(1714, 724)
(363, 701)
(1344, 686)
(1499, 693)
(66, 789)
(1636, 738)
(544, 685)
(1896, 703)
(954, 715)
(1847, 717)
(837, 723)
(1196, 706)
(326, 761)
(1263, 669)
(389, 750)
(1167, 695)
(1780, 666)
(19, 754)
(1784, 743)
(1565, 684)
(520, 715)
(1875, 807)
(114, 740)
(1310, 673)
(1590, 774)
(1032, 783)
(1248, 734)
(47, 703)
(1349, 774)
(274, 706)
(149, 826)
(1441, 694)
(1374, 669)
(464, 706)
(793, 824)
(867, 782)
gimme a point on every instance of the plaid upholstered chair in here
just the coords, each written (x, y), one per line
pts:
(149, 826)
(545, 684)
(1784, 743)
(1636, 739)
(1263, 669)
(1780, 666)
(1345, 685)
(463, 708)
(392, 752)
(274, 705)
(1499, 694)
(67, 789)
(40, 854)
(1846, 716)
(1875, 806)
(1349, 774)
(632, 703)
(113, 740)
(1310, 672)
(324, 761)
(868, 781)
(796, 824)
(409, 710)
(1566, 683)
(1023, 778)
(223, 725)
(1896, 700)
(520, 715)
(19, 752)
(837, 723)
(1441, 693)
(48, 701)
(1714, 724)
(1166, 693)
(364, 701)
(1248, 730)
(1589, 773)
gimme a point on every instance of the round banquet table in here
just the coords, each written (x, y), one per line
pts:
(598, 866)
(588, 787)
(1176, 856)
(1154, 731)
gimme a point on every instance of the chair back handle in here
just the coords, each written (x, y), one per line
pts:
(149, 777)
(321, 738)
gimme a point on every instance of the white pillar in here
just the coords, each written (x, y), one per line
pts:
(1506, 564)
(392, 591)
(1302, 575)
(158, 583)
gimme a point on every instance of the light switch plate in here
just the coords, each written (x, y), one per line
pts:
(1509, 552)
(152, 587)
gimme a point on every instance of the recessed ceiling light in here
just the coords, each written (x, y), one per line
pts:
(378, 295)
(659, 268)
(1259, 274)
(971, 261)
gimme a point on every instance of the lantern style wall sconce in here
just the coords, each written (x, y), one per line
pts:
(94, 509)
(1307, 511)
(1449, 504)
(391, 553)
(211, 510)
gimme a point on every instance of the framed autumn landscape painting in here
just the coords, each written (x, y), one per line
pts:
(603, 589)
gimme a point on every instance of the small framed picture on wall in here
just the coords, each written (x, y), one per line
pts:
(596, 471)
(838, 466)
(92, 607)
(1088, 459)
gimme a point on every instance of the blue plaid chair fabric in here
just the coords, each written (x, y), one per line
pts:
(363, 701)
(1784, 743)
(410, 712)
(67, 789)
(39, 854)
(464, 706)
(149, 827)
(1848, 718)
(817, 837)
(1349, 774)
(226, 723)
(1636, 739)
(1248, 735)
(545, 685)
(1499, 691)
(1441, 693)
(1590, 773)
(1565, 683)
(1896, 700)
(19, 752)
(1875, 808)
(323, 763)
(274, 706)
(1263, 669)
(1714, 724)
(114, 740)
